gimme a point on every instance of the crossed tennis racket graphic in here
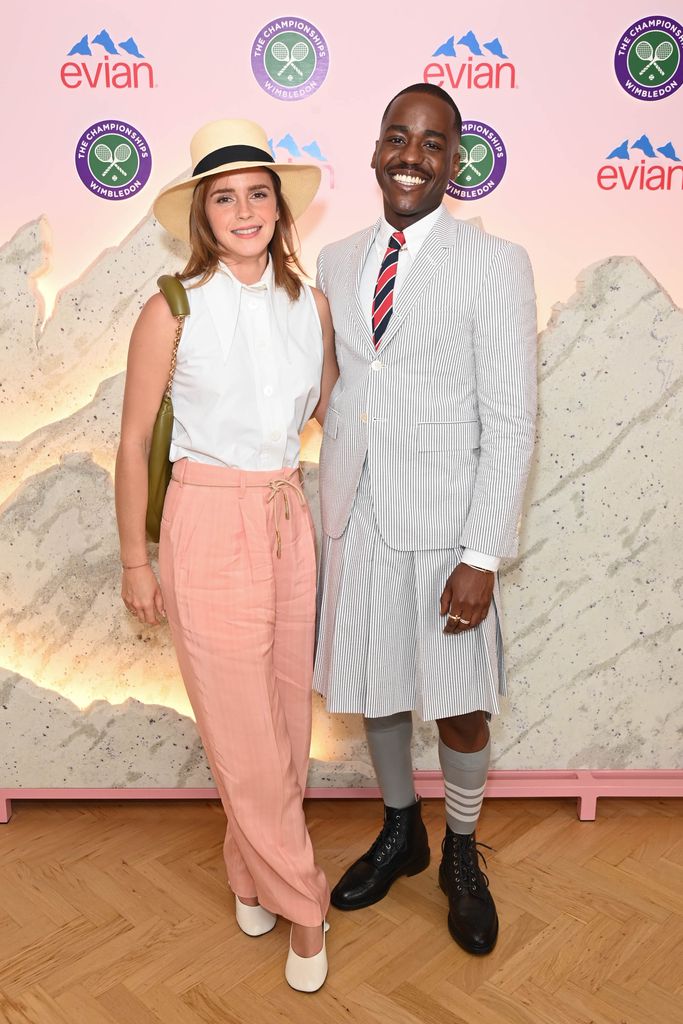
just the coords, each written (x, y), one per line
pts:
(471, 159)
(290, 58)
(645, 52)
(105, 156)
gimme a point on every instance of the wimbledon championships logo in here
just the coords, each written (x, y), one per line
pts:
(483, 160)
(290, 59)
(113, 160)
(647, 60)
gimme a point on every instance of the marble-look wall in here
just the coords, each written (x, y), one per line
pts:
(89, 698)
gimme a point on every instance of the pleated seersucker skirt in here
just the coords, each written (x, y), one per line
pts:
(380, 642)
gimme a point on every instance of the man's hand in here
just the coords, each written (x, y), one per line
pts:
(466, 597)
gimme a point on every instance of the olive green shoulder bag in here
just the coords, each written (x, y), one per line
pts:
(159, 468)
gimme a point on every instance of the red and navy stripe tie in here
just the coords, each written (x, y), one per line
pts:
(383, 300)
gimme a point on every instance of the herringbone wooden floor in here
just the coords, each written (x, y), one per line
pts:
(118, 913)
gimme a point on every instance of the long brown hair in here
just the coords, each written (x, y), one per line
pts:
(205, 251)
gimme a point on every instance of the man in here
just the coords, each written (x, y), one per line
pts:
(425, 455)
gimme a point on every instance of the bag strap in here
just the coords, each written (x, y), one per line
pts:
(176, 296)
(173, 291)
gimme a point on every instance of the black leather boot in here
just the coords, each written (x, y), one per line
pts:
(401, 848)
(472, 917)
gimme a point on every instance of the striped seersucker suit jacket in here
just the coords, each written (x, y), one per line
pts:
(444, 409)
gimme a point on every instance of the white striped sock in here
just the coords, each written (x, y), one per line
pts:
(464, 786)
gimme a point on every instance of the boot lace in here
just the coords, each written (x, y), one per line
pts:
(385, 843)
(462, 861)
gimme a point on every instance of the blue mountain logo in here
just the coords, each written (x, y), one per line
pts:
(475, 67)
(83, 47)
(643, 144)
(291, 146)
(471, 43)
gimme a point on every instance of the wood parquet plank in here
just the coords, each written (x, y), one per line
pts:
(80, 1005)
(32, 1005)
(59, 949)
(168, 1007)
(123, 1005)
(589, 1004)
(119, 913)
(543, 1007)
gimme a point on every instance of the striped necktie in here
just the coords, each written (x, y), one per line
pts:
(383, 300)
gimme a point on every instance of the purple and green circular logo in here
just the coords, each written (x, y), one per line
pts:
(648, 58)
(483, 160)
(113, 160)
(290, 59)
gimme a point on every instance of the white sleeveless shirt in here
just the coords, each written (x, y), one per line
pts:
(248, 373)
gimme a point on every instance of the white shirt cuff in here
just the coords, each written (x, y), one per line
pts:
(479, 560)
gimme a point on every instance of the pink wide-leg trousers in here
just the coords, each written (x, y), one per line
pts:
(242, 619)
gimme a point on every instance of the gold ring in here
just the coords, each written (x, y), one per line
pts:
(456, 618)
(465, 622)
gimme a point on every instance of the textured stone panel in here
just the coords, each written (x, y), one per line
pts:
(592, 603)
(52, 370)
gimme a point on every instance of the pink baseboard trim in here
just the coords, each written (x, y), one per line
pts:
(587, 786)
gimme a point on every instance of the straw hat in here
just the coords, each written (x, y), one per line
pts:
(232, 145)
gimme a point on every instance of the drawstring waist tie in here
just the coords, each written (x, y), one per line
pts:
(279, 482)
(279, 488)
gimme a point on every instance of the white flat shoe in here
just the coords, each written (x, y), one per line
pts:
(254, 920)
(306, 973)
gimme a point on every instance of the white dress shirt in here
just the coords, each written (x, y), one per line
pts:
(248, 373)
(414, 236)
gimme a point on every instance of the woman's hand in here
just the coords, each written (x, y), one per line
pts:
(142, 595)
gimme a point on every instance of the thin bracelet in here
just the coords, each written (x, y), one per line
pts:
(134, 566)
(479, 569)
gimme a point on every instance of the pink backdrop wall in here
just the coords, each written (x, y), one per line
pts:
(566, 113)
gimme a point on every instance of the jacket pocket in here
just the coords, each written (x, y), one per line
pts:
(331, 423)
(440, 437)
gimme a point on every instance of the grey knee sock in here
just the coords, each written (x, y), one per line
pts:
(389, 741)
(464, 777)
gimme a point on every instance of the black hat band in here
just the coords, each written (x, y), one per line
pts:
(230, 155)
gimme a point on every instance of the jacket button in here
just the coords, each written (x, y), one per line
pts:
(364, 417)
(377, 365)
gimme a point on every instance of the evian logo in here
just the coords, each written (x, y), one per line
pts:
(113, 67)
(654, 169)
(467, 64)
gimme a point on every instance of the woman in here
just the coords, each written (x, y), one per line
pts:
(236, 554)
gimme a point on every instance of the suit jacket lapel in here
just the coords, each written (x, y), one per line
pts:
(356, 263)
(433, 252)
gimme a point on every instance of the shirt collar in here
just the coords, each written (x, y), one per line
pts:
(265, 283)
(414, 235)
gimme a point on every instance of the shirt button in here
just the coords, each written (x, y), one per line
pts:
(268, 391)
(275, 436)
(364, 417)
(377, 365)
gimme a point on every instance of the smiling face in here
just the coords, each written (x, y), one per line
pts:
(416, 154)
(241, 208)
